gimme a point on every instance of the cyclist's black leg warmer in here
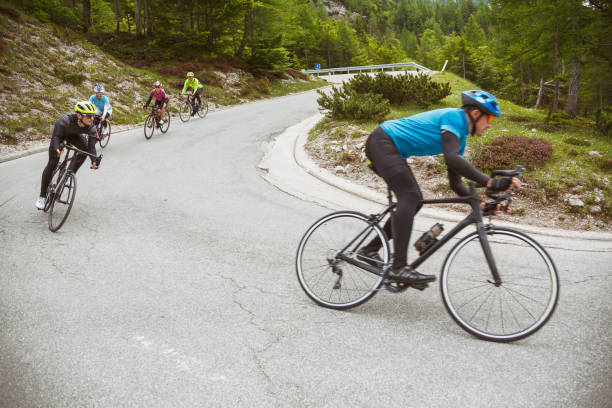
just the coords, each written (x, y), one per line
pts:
(383, 153)
(197, 95)
(408, 195)
(48, 172)
(80, 142)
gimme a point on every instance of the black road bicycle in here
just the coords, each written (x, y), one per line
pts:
(190, 105)
(62, 189)
(104, 131)
(152, 122)
(498, 284)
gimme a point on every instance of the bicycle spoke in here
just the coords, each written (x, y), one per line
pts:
(518, 307)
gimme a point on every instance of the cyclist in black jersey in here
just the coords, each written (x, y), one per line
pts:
(69, 128)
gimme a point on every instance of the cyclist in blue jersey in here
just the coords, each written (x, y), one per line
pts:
(440, 131)
(103, 106)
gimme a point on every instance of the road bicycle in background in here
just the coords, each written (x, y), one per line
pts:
(497, 284)
(104, 130)
(190, 105)
(152, 122)
(62, 189)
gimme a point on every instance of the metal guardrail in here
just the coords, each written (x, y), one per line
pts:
(400, 66)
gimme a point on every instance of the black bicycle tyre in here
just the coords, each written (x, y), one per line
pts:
(70, 179)
(203, 109)
(512, 295)
(149, 124)
(164, 128)
(185, 111)
(105, 135)
(308, 285)
(57, 174)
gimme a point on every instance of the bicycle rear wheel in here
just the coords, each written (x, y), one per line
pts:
(166, 125)
(105, 134)
(517, 308)
(203, 110)
(185, 111)
(328, 280)
(149, 127)
(62, 202)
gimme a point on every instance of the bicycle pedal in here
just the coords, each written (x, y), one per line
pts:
(420, 286)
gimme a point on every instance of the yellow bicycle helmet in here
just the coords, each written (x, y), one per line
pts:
(85, 108)
(190, 74)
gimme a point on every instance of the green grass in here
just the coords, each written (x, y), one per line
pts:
(570, 171)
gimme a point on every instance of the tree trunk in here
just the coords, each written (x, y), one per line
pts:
(247, 20)
(145, 4)
(117, 19)
(86, 15)
(538, 104)
(571, 105)
(137, 18)
(463, 58)
(149, 17)
(522, 83)
(555, 100)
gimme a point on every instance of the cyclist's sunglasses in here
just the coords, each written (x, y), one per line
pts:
(88, 115)
(490, 118)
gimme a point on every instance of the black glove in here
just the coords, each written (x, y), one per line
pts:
(501, 183)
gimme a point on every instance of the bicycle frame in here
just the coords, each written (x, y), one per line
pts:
(475, 217)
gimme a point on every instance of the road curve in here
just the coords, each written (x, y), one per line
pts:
(172, 284)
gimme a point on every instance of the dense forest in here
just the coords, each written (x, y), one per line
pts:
(553, 54)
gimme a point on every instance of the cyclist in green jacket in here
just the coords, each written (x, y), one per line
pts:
(193, 83)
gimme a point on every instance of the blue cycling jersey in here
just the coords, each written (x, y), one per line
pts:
(421, 134)
(100, 103)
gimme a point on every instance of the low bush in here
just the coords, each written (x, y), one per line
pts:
(10, 12)
(519, 118)
(508, 151)
(343, 104)
(399, 89)
(70, 77)
(546, 127)
(577, 141)
(604, 121)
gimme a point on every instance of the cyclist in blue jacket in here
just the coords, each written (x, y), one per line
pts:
(103, 106)
(440, 131)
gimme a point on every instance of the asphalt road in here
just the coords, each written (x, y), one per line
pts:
(172, 284)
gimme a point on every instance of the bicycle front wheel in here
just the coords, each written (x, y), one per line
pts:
(164, 128)
(105, 135)
(203, 109)
(185, 111)
(149, 127)
(515, 309)
(328, 280)
(62, 202)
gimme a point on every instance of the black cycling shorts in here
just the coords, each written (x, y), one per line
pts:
(384, 155)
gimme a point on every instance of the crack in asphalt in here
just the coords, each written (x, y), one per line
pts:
(6, 201)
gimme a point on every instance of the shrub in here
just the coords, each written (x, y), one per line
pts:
(519, 118)
(343, 104)
(508, 151)
(576, 141)
(10, 12)
(419, 88)
(546, 127)
(604, 121)
(67, 76)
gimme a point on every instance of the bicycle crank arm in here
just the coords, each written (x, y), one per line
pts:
(359, 264)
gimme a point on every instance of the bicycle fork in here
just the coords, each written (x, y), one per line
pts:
(486, 248)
